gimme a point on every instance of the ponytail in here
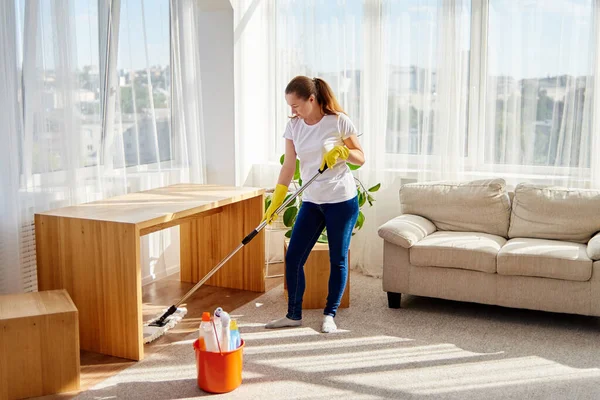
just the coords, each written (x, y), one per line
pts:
(326, 98)
(304, 87)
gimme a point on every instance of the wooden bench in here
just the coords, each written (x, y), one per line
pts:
(93, 251)
(39, 344)
(316, 273)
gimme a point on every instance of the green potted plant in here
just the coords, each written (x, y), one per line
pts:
(291, 211)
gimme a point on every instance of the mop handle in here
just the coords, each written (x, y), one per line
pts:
(293, 197)
(247, 239)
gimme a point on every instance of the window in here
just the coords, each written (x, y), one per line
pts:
(63, 85)
(143, 120)
(496, 85)
(415, 39)
(63, 88)
(539, 78)
(320, 38)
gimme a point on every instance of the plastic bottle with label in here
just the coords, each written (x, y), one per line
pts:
(208, 339)
(236, 340)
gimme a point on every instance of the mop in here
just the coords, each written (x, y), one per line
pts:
(157, 327)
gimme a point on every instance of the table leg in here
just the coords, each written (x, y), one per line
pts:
(98, 263)
(205, 241)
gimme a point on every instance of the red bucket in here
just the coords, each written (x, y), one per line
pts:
(219, 372)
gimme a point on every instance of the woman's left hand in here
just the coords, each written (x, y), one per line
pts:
(332, 156)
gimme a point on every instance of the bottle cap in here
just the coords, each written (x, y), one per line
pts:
(205, 316)
(233, 325)
(218, 312)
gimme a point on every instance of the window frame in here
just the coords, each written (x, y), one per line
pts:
(41, 180)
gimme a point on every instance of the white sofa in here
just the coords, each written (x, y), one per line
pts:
(537, 248)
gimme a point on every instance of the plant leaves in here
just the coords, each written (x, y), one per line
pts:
(267, 203)
(289, 216)
(282, 159)
(361, 199)
(322, 239)
(370, 199)
(375, 188)
(360, 220)
(300, 181)
(288, 234)
(353, 167)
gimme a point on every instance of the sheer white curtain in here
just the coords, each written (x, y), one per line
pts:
(188, 128)
(417, 71)
(440, 89)
(89, 110)
(382, 60)
(256, 94)
(427, 44)
(276, 40)
(10, 118)
(539, 99)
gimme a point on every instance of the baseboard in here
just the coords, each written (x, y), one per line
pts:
(173, 269)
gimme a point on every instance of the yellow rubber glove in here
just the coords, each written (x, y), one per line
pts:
(276, 200)
(332, 156)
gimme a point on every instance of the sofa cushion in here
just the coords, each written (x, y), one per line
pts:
(406, 230)
(464, 250)
(550, 212)
(477, 206)
(593, 247)
(545, 258)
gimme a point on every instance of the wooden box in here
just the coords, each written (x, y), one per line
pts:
(316, 272)
(39, 344)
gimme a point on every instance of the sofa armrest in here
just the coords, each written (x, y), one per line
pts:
(593, 247)
(406, 230)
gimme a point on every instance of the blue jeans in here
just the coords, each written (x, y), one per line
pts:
(339, 219)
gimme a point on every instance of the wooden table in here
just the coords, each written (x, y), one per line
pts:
(93, 251)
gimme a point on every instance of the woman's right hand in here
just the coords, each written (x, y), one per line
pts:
(276, 201)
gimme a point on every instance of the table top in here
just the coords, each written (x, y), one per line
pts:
(35, 304)
(159, 205)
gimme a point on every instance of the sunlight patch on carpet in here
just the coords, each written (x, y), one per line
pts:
(471, 376)
(325, 344)
(370, 359)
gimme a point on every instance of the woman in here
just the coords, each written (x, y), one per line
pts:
(319, 133)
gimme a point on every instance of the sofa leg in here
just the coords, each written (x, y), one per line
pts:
(394, 299)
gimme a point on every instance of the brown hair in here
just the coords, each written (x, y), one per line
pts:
(304, 87)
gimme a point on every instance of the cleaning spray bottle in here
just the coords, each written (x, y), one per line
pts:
(225, 332)
(236, 340)
(208, 334)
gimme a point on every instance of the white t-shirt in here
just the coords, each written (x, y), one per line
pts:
(336, 184)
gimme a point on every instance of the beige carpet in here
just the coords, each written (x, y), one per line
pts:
(429, 349)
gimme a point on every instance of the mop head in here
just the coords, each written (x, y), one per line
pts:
(154, 332)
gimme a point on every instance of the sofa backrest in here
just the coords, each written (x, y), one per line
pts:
(551, 212)
(476, 206)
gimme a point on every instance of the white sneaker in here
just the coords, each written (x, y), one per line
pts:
(328, 325)
(283, 323)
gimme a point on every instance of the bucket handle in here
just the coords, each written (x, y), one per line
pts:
(217, 336)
